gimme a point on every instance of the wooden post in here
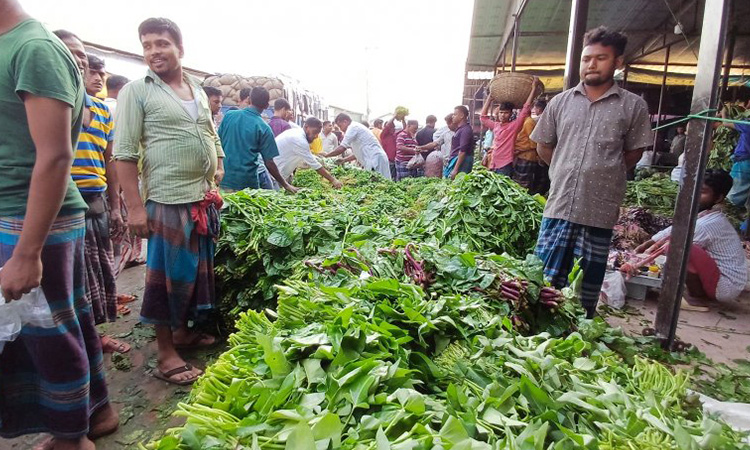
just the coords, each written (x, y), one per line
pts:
(696, 154)
(579, 13)
(728, 62)
(516, 37)
(661, 96)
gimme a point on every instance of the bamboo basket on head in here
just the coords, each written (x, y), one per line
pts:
(513, 87)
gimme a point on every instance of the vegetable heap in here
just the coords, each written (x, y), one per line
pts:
(725, 140)
(635, 226)
(657, 194)
(379, 364)
(266, 234)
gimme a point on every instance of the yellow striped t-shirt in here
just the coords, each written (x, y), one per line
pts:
(89, 168)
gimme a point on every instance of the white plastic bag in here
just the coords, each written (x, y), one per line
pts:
(416, 161)
(31, 309)
(613, 289)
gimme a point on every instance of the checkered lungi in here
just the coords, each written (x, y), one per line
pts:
(561, 243)
(525, 172)
(403, 172)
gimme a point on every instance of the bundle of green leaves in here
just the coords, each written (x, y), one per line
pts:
(657, 194)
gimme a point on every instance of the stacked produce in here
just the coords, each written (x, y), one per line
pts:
(725, 140)
(635, 226)
(231, 85)
(657, 193)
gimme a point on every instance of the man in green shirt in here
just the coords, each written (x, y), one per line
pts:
(51, 379)
(245, 135)
(167, 113)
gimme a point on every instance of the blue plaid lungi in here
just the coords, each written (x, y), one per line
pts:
(561, 242)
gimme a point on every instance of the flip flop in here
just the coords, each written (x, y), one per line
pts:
(688, 307)
(195, 342)
(123, 299)
(167, 376)
(46, 444)
(123, 310)
(110, 345)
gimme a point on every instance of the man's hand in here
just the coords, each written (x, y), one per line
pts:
(337, 184)
(20, 275)
(340, 161)
(115, 221)
(454, 174)
(291, 189)
(138, 222)
(218, 176)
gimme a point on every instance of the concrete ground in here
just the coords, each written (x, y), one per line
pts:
(145, 404)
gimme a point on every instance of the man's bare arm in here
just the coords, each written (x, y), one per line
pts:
(632, 157)
(127, 172)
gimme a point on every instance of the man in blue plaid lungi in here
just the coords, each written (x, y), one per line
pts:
(589, 135)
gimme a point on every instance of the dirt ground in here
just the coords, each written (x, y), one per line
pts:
(146, 404)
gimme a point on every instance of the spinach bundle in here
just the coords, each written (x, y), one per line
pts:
(657, 194)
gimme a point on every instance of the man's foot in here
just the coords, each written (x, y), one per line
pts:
(692, 305)
(65, 444)
(122, 310)
(123, 299)
(188, 340)
(111, 345)
(104, 422)
(177, 371)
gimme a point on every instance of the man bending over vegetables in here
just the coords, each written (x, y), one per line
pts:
(295, 153)
(590, 136)
(716, 265)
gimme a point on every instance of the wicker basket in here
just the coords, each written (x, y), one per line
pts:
(513, 87)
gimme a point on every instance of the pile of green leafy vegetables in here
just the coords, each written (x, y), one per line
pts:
(268, 235)
(725, 139)
(658, 194)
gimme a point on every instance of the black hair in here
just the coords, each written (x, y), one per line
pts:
(160, 25)
(719, 181)
(366, 123)
(412, 122)
(65, 34)
(602, 35)
(245, 93)
(464, 110)
(259, 97)
(95, 63)
(343, 117)
(115, 82)
(233, 108)
(280, 104)
(378, 122)
(449, 117)
(506, 106)
(212, 91)
(541, 104)
(313, 122)
(431, 119)
(326, 122)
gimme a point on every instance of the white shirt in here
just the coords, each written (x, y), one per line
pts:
(111, 104)
(294, 152)
(366, 149)
(444, 136)
(191, 106)
(716, 235)
(330, 142)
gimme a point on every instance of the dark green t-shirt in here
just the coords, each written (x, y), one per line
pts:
(33, 60)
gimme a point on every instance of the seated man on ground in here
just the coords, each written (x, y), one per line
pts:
(716, 267)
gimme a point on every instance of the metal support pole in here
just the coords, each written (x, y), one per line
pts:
(516, 33)
(625, 76)
(728, 62)
(696, 154)
(579, 12)
(661, 94)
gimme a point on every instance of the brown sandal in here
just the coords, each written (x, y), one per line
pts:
(111, 345)
(167, 376)
(196, 342)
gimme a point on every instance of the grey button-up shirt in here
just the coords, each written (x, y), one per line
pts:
(588, 170)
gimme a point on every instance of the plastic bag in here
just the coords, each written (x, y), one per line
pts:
(613, 290)
(415, 161)
(31, 309)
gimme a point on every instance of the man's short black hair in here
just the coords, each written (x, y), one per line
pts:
(541, 104)
(412, 122)
(366, 123)
(378, 122)
(602, 35)
(65, 34)
(314, 122)
(431, 119)
(449, 117)
(719, 181)
(343, 117)
(326, 122)
(95, 63)
(259, 97)
(245, 93)
(212, 91)
(280, 104)
(115, 82)
(464, 110)
(160, 25)
(506, 106)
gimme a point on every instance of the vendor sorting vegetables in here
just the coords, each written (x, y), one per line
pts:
(295, 152)
(716, 265)
(365, 146)
(590, 136)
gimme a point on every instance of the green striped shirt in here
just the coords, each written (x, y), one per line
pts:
(179, 155)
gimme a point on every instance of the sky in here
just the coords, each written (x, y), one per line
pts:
(409, 52)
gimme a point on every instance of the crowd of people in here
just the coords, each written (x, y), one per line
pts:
(156, 171)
